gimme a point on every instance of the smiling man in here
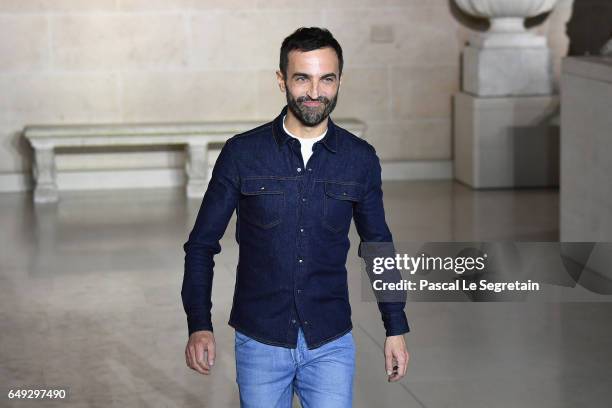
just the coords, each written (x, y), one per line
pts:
(296, 183)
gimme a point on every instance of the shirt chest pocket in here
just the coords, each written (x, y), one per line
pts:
(262, 202)
(338, 201)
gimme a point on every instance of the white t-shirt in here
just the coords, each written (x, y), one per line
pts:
(305, 143)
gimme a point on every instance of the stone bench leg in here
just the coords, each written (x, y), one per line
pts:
(196, 168)
(45, 175)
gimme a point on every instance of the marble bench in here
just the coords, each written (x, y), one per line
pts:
(196, 137)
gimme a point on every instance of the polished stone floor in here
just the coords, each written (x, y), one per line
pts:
(90, 300)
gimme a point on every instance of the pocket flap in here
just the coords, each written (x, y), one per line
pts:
(344, 191)
(256, 186)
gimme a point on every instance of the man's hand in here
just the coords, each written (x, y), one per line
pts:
(396, 357)
(200, 343)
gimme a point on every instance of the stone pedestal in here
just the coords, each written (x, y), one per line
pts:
(586, 149)
(506, 141)
(502, 119)
(507, 60)
(507, 71)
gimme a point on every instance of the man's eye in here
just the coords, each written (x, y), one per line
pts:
(300, 79)
(329, 79)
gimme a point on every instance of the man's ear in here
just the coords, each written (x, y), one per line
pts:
(281, 81)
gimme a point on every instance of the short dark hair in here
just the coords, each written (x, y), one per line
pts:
(308, 39)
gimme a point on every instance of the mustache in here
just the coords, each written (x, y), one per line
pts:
(321, 99)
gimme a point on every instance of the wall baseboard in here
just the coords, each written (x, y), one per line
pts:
(100, 180)
(14, 182)
(417, 170)
(175, 177)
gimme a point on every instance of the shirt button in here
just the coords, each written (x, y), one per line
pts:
(305, 322)
(300, 260)
(301, 229)
(299, 169)
(293, 321)
(299, 291)
(304, 200)
(309, 169)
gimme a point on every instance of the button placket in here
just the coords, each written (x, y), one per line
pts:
(305, 174)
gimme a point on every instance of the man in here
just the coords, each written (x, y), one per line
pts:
(295, 183)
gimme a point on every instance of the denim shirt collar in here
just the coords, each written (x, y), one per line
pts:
(330, 141)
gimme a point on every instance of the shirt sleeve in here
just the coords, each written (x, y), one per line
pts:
(218, 205)
(369, 216)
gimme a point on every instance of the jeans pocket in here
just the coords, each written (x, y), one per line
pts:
(349, 338)
(241, 339)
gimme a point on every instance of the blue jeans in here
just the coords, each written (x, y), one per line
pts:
(267, 376)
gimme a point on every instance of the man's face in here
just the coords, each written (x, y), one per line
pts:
(311, 85)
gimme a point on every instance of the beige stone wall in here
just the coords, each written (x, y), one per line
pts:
(88, 61)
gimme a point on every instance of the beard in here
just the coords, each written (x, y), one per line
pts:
(310, 115)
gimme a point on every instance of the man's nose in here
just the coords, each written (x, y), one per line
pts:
(313, 92)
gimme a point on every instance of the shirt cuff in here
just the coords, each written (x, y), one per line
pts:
(197, 323)
(395, 323)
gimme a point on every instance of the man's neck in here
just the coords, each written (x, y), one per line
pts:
(298, 129)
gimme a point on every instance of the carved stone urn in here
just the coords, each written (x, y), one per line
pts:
(507, 59)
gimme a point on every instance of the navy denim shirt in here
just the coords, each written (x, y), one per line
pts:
(292, 229)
